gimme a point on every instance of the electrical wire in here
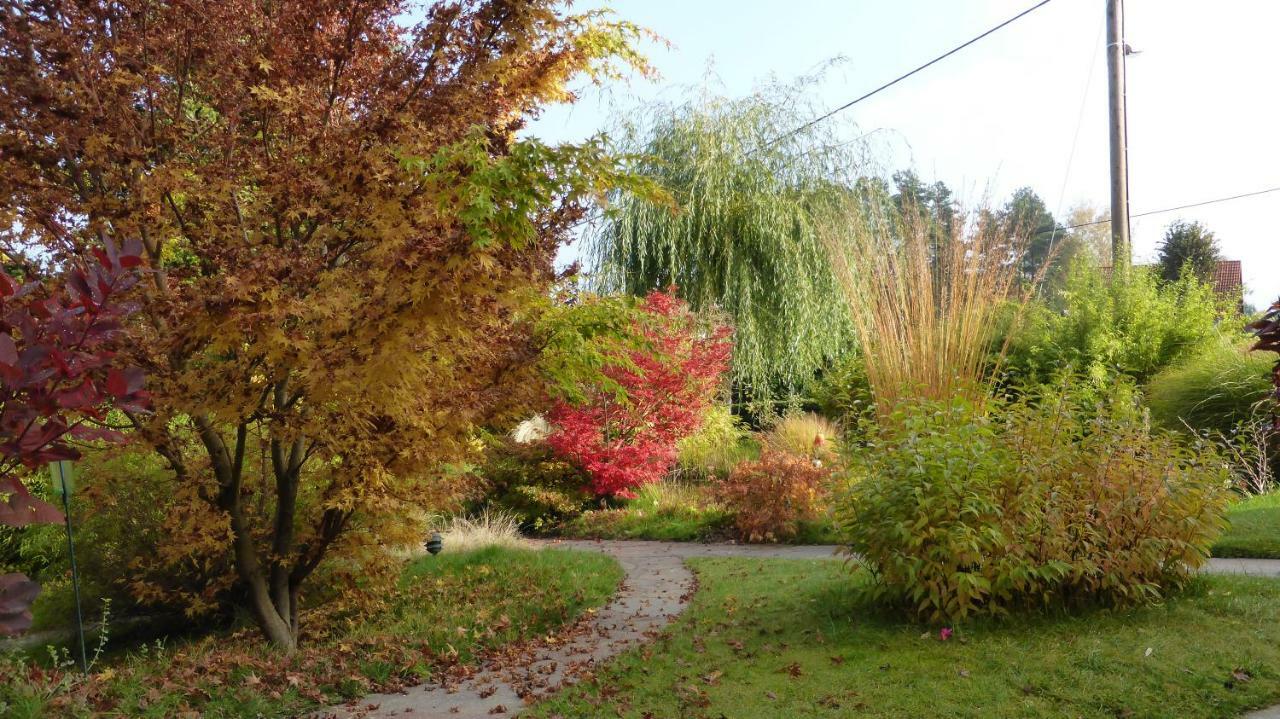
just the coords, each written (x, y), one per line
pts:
(1075, 137)
(900, 78)
(1175, 209)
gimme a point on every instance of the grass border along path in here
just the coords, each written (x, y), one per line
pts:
(449, 612)
(655, 590)
(1254, 529)
(769, 638)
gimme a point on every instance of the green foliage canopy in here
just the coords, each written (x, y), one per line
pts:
(1188, 245)
(1134, 324)
(742, 237)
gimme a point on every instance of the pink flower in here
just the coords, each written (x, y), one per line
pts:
(945, 634)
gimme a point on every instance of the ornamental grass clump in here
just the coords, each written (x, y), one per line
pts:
(804, 434)
(1212, 391)
(1051, 500)
(925, 294)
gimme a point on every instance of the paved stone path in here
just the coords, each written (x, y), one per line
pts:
(656, 588)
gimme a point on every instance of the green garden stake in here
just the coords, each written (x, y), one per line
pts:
(62, 484)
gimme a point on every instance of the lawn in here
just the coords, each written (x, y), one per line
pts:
(747, 648)
(1254, 530)
(448, 610)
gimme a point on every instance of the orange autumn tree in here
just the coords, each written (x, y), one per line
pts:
(341, 229)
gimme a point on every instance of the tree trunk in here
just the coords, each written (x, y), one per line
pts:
(278, 624)
(272, 596)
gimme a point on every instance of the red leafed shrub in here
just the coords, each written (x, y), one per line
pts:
(667, 381)
(770, 497)
(57, 383)
(1267, 330)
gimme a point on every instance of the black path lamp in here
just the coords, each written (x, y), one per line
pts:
(60, 472)
(435, 544)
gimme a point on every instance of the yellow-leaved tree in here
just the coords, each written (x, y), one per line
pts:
(341, 232)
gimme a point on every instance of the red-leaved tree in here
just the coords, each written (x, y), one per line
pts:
(1267, 330)
(57, 383)
(668, 381)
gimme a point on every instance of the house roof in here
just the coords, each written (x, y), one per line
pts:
(1227, 277)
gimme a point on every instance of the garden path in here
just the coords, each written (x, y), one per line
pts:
(656, 588)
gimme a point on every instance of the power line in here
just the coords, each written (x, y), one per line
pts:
(900, 78)
(1148, 213)
(1075, 137)
(1179, 207)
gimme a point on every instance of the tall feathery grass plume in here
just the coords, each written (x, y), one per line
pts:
(925, 293)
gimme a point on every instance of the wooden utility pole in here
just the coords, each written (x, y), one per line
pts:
(1120, 256)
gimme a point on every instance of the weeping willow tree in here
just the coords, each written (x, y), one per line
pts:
(742, 237)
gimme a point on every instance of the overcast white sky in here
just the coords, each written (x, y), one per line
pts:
(1203, 106)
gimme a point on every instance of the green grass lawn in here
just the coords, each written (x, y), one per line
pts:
(448, 609)
(785, 638)
(1254, 530)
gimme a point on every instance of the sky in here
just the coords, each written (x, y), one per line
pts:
(1026, 106)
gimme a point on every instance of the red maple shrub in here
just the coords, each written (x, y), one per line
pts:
(666, 382)
(770, 497)
(1267, 330)
(57, 382)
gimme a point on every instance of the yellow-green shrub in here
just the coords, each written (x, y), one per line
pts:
(1050, 500)
(133, 544)
(1135, 325)
(716, 448)
(843, 393)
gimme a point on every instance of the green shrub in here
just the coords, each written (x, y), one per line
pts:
(1214, 390)
(666, 510)
(716, 448)
(121, 510)
(1135, 326)
(843, 394)
(530, 483)
(1052, 499)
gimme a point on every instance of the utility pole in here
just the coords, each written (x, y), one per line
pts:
(1120, 256)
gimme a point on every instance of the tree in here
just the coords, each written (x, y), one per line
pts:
(742, 238)
(934, 201)
(57, 381)
(1046, 251)
(1188, 246)
(341, 230)
(666, 378)
(1267, 331)
(1091, 233)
